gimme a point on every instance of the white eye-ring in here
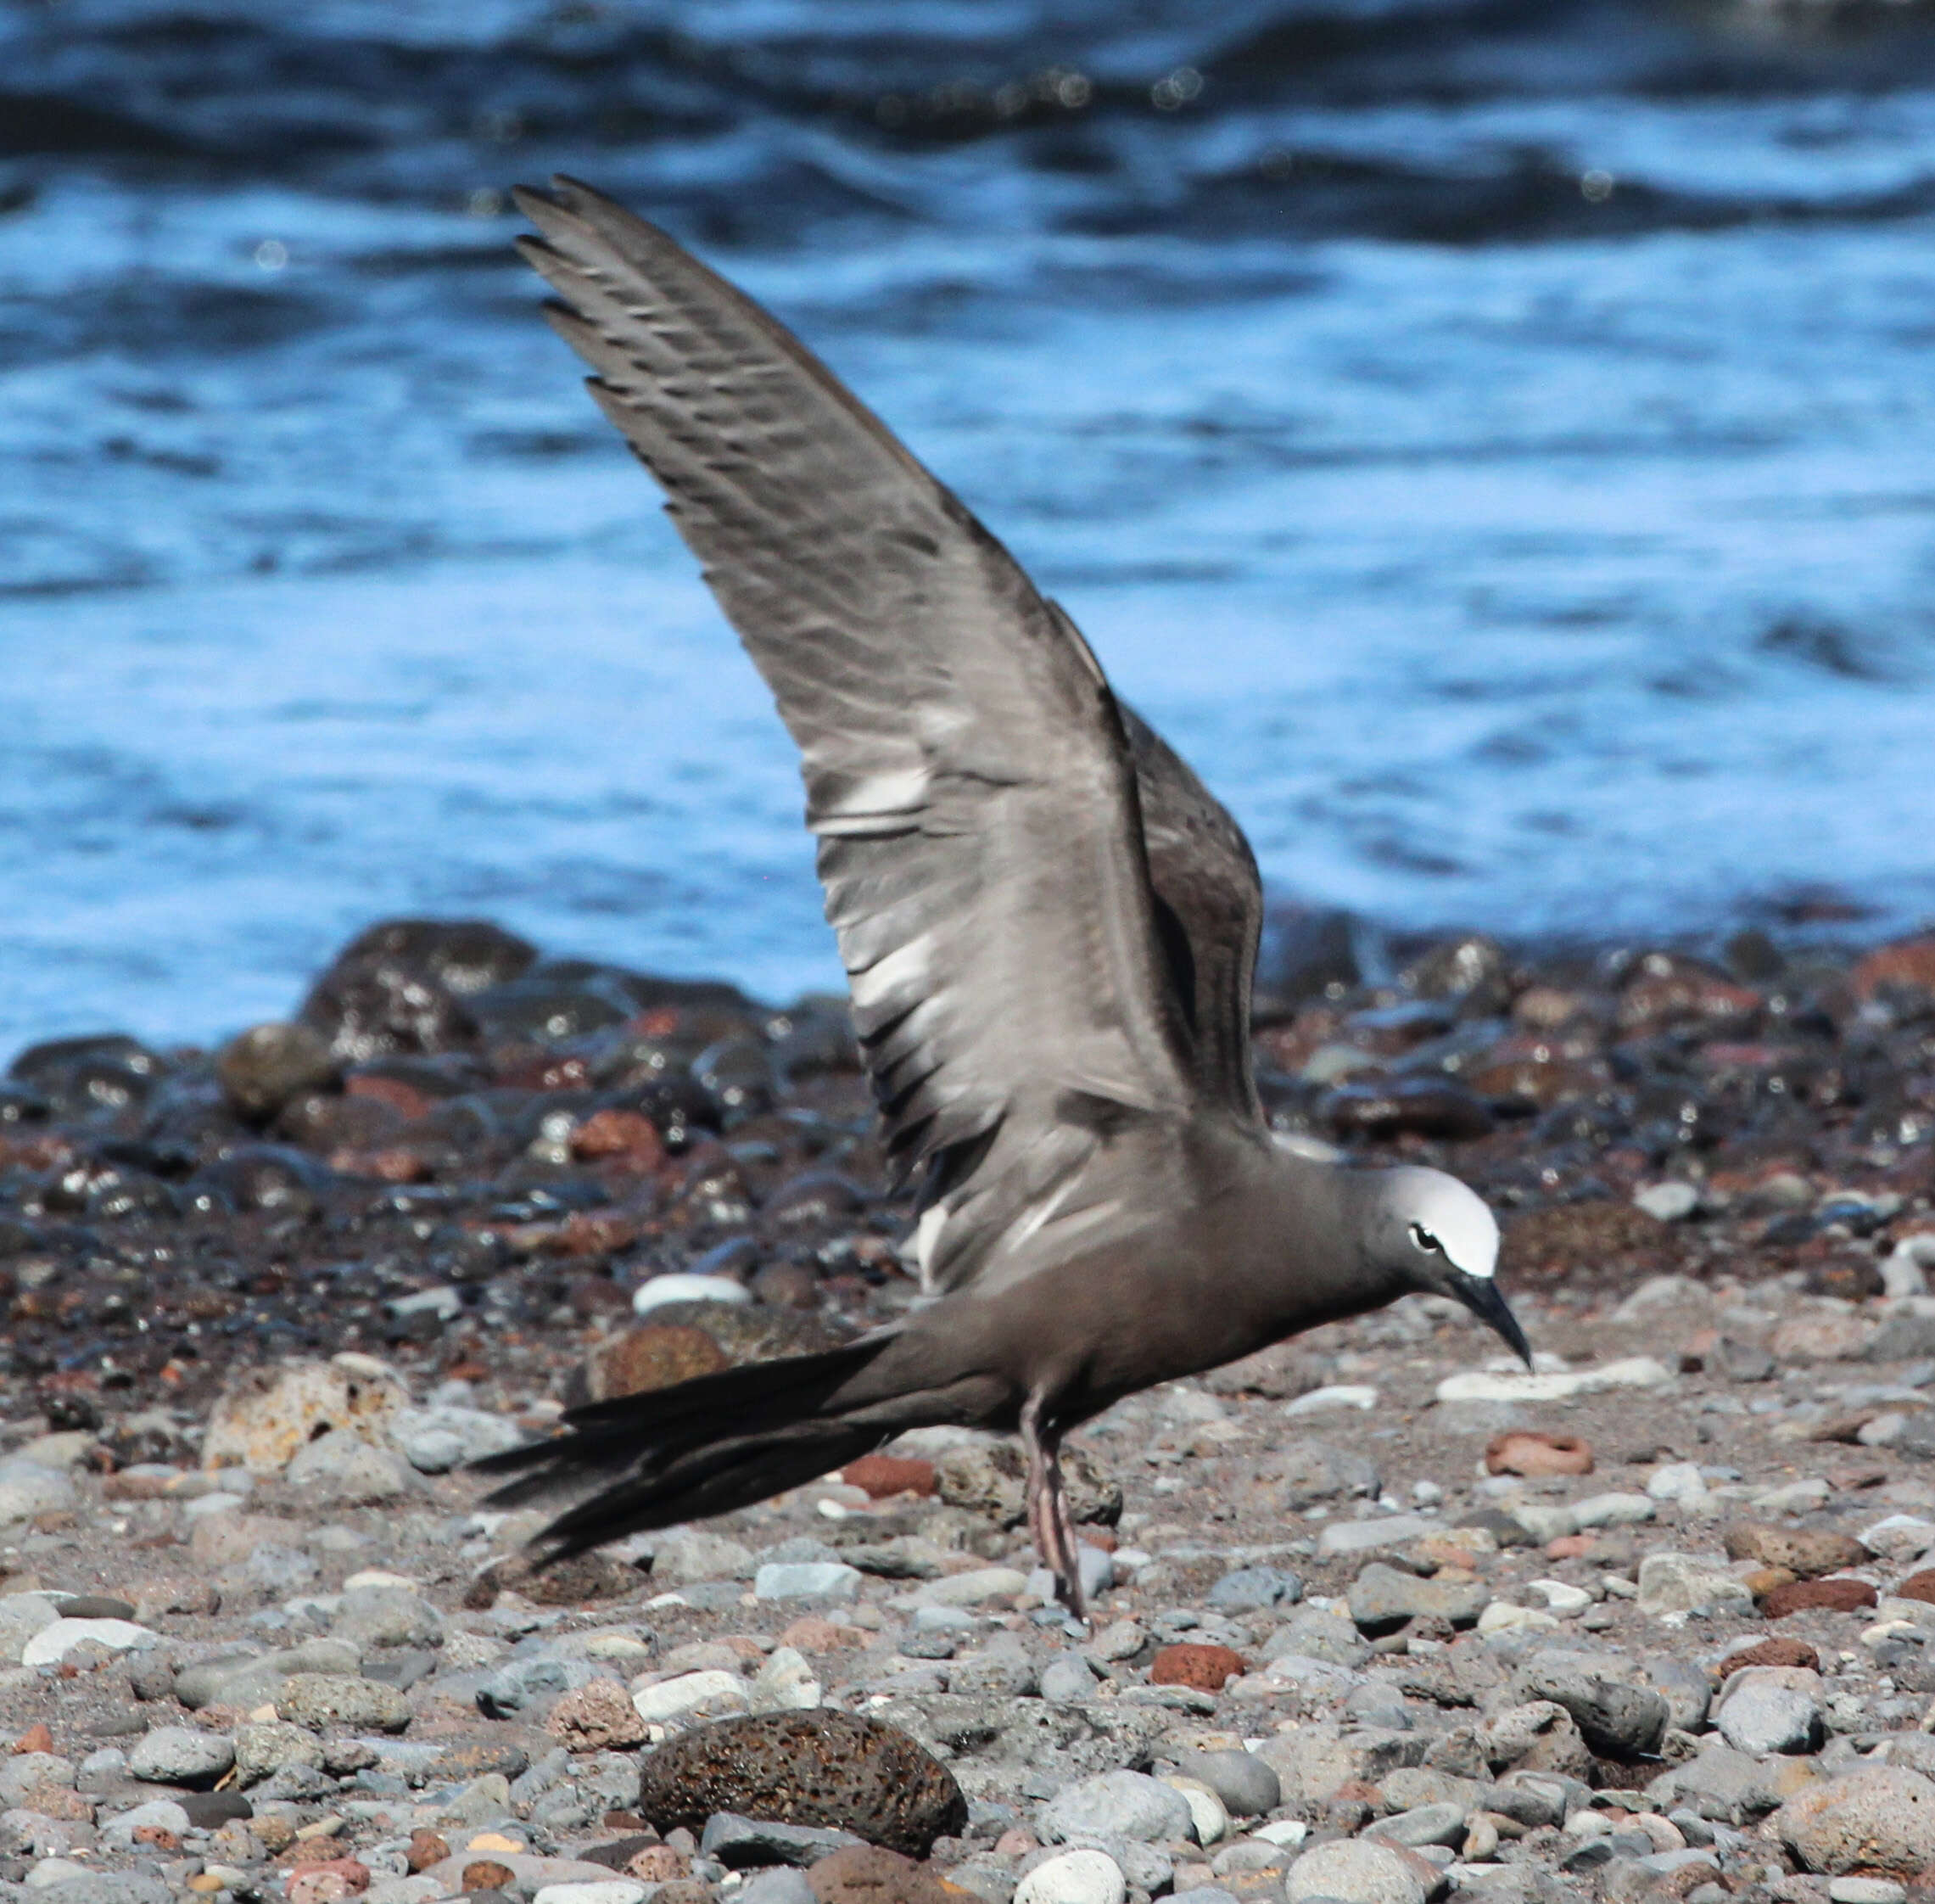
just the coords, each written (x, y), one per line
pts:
(1425, 1241)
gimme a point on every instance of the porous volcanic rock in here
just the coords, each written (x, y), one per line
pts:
(806, 1768)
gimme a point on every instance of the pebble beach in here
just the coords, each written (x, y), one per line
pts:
(1378, 1617)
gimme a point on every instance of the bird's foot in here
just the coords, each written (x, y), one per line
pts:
(1050, 1521)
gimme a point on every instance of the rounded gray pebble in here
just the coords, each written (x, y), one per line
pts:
(1247, 1785)
(181, 1755)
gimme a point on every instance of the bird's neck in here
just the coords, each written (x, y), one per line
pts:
(1326, 1275)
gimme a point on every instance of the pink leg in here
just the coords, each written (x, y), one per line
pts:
(1049, 1518)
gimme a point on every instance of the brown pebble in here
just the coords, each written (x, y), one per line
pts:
(879, 1475)
(657, 1864)
(1570, 1547)
(426, 1848)
(1917, 1586)
(653, 1355)
(595, 1719)
(36, 1738)
(485, 1873)
(810, 1633)
(1190, 1663)
(871, 1874)
(1838, 1595)
(1531, 1451)
(1804, 1553)
(1777, 1651)
(625, 1137)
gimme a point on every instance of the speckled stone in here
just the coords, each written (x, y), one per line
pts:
(806, 1768)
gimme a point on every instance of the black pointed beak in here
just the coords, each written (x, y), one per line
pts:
(1479, 1294)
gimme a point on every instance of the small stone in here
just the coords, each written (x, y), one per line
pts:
(1116, 1805)
(1255, 1590)
(320, 1700)
(609, 1890)
(1368, 1537)
(267, 1416)
(1804, 1553)
(682, 1287)
(1067, 1680)
(882, 1476)
(595, 1717)
(1190, 1663)
(1918, 1587)
(1668, 1202)
(990, 1481)
(1618, 1716)
(694, 1555)
(181, 1755)
(263, 1068)
(1359, 1871)
(1878, 1818)
(340, 1469)
(1440, 1823)
(1525, 1451)
(1083, 1877)
(1865, 1891)
(1688, 1583)
(711, 1694)
(872, 1875)
(653, 1355)
(53, 1642)
(1776, 1651)
(26, 1488)
(1383, 1598)
(740, 1843)
(1247, 1784)
(829, 1582)
(529, 1685)
(1838, 1595)
(425, 1849)
(262, 1749)
(1759, 1714)
(784, 1683)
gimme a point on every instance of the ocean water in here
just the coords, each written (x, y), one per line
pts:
(1495, 440)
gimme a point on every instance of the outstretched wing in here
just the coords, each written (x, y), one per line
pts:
(966, 767)
(1209, 913)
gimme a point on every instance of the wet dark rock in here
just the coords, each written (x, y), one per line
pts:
(271, 1177)
(95, 1080)
(1422, 1106)
(1665, 989)
(1472, 970)
(400, 986)
(550, 1009)
(822, 1769)
(1311, 953)
(262, 1068)
(737, 1074)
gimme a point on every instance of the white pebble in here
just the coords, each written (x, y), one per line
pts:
(680, 1286)
(1074, 1877)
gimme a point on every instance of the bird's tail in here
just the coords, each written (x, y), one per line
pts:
(701, 1448)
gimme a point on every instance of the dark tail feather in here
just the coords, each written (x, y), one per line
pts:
(702, 1447)
(707, 1480)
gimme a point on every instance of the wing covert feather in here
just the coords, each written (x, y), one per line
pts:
(967, 772)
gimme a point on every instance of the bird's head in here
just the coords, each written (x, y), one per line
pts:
(1438, 1238)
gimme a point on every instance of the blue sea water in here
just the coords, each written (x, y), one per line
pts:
(1496, 441)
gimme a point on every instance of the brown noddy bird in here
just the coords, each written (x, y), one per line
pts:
(1049, 924)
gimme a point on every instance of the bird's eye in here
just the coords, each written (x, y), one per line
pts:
(1425, 1241)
